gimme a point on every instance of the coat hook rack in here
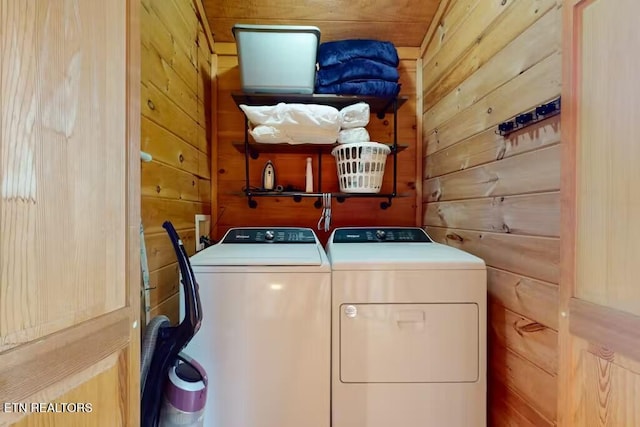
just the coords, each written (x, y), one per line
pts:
(528, 118)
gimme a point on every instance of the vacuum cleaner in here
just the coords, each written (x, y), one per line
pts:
(174, 386)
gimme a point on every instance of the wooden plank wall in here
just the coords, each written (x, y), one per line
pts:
(290, 168)
(499, 197)
(176, 130)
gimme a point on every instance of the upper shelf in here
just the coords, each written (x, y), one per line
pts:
(380, 106)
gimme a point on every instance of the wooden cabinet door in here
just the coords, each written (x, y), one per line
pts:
(600, 288)
(69, 211)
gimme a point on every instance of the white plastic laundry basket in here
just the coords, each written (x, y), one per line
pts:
(360, 166)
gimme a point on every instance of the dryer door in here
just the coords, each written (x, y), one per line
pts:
(409, 343)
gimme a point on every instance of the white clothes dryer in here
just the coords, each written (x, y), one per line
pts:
(408, 330)
(265, 335)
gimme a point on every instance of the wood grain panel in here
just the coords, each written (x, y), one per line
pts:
(536, 214)
(69, 125)
(608, 233)
(531, 298)
(599, 288)
(519, 17)
(234, 212)
(215, 143)
(158, 72)
(205, 24)
(188, 13)
(129, 358)
(617, 330)
(226, 48)
(489, 146)
(161, 253)
(204, 190)
(474, 71)
(101, 392)
(404, 23)
(165, 112)
(534, 385)
(38, 370)
(483, 70)
(183, 34)
(418, 138)
(50, 177)
(608, 392)
(531, 340)
(155, 35)
(536, 171)
(166, 283)
(176, 131)
(401, 11)
(536, 85)
(452, 19)
(205, 74)
(508, 409)
(536, 257)
(475, 25)
(290, 172)
(167, 148)
(204, 165)
(169, 307)
(411, 35)
(163, 181)
(182, 214)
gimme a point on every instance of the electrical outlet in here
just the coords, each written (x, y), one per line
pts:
(203, 228)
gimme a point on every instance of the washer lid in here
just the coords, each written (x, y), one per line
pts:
(259, 254)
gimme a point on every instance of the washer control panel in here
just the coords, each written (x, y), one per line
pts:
(380, 235)
(270, 235)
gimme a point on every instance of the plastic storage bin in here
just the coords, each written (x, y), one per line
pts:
(360, 166)
(277, 58)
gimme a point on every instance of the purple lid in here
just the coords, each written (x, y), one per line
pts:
(187, 387)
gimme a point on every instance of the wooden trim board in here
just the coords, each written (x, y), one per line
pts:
(616, 330)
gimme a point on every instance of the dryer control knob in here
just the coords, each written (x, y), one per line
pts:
(381, 234)
(351, 311)
(269, 235)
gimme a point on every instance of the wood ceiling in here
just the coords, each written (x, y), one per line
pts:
(403, 22)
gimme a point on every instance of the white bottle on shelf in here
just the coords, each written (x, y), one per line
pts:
(309, 177)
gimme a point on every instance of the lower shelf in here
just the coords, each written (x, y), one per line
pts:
(255, 149)
(340, 197)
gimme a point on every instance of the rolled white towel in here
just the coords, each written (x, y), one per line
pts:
(292, 134)
(354, 116)
(359, 134)
(305, 115)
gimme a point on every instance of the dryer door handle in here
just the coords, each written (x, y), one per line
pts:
(410, 319)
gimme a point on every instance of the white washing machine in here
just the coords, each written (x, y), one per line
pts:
(265, 335)
(408, 331)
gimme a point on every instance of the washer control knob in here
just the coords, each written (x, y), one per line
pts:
(381, 234)
(351, 311)
(269, 235)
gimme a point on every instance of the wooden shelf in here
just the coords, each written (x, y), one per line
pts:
(340, 197)
(255, 149)
(379, 106)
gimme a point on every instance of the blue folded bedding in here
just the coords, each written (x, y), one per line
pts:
(337, 52)
(357, 69)
(380, 88)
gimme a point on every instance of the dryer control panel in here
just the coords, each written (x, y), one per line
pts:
(380, 235)
(270, 235)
